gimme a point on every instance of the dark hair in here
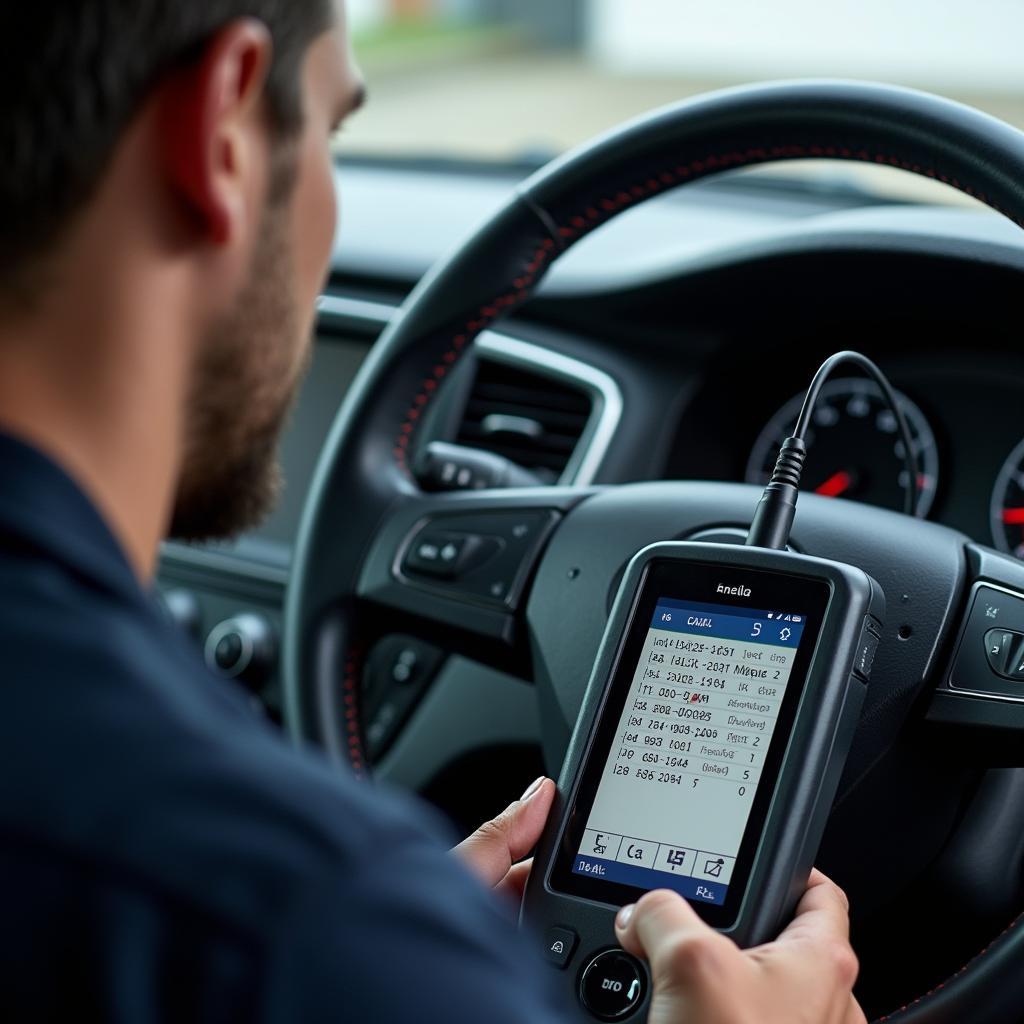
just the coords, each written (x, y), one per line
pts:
(74, 73)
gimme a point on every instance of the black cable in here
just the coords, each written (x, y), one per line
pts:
(871, 369)
(774, 516)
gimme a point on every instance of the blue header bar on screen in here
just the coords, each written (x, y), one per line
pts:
(780, 629)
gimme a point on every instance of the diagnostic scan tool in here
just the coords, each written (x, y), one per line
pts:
(709, 746)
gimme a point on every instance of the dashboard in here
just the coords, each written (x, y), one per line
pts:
(671, 345)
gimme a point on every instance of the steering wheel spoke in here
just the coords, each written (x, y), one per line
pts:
(447, 574)
(460, 563)
(981, 693)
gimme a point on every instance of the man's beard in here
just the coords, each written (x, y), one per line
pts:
(242, 389)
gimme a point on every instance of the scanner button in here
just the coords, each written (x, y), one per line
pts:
(713, 866)
(613, 985)
(867, 646)
(638, 852)
(601, 844)
(558, 945)
(676, 860)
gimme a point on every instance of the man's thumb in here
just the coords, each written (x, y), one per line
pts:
(494, 847)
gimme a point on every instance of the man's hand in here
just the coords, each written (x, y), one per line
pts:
(804, 977)
(494, 851)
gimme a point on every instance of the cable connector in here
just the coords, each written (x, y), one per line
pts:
(774, 516)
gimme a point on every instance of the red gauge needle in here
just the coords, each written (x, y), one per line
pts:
(836, 484)
(1013, 516)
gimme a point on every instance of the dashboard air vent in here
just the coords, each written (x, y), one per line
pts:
(534, 420)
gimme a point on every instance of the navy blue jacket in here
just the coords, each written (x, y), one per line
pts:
(165, 855)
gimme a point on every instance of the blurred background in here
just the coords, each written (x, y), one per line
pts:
(519, 81)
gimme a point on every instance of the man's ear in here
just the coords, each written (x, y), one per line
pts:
(213, 130)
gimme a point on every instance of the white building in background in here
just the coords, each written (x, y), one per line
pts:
(365, 14)
(935, 44)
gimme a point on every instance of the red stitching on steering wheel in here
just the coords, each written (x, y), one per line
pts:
(484, 318)
(350, 713)
(581, 224)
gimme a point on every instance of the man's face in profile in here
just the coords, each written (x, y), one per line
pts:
(251, 363)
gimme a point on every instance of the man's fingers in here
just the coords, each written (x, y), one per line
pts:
(821, 887)
(822, 914)
(494, 847)
(822, 925)
(699, 974)
(666, 930)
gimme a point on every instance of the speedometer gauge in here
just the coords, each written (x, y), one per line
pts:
(1008, 504)
(854, 447)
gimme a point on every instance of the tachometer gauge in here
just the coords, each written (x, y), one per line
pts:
(854, 447)
(1008, 504)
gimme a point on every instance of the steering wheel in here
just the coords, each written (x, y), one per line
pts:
(351, 567)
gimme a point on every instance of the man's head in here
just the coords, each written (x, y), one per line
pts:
(224, 111)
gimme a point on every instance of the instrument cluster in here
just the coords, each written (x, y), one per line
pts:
(855, 453)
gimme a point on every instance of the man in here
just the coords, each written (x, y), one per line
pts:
(167, 208)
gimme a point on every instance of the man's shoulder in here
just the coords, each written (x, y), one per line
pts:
(120, 750)
(146, 812)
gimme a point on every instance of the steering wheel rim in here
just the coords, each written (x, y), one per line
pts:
(363, 476)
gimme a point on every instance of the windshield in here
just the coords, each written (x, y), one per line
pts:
(519, 81)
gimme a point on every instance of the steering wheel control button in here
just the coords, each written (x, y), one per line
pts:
(1017, 668)
(436, 555)
(404, 668)
(484, 557)
(559, 944)
(381, 728)
(613, 985)
(867, 648)
(449, 555)
(1002, 647)
(397, 672)
(990, 656)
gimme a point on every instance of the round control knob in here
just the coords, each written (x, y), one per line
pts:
(613, 985)
(243, 647)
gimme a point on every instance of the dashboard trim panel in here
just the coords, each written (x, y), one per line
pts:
(174, 554)
(499, 347)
